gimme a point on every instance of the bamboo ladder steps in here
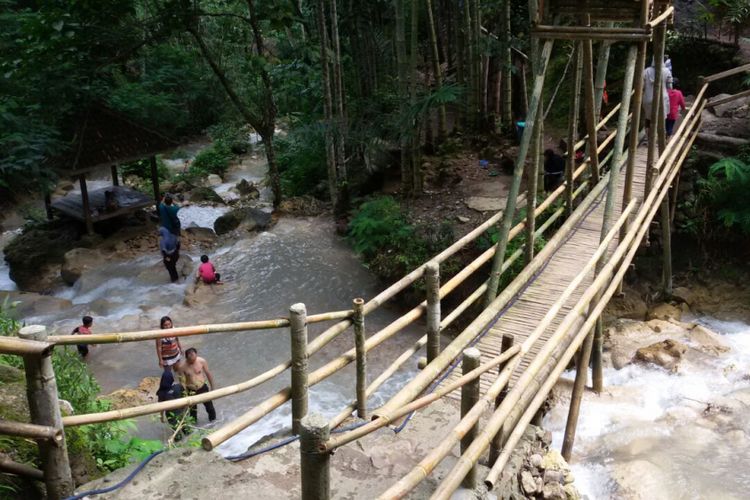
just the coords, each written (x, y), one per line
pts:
(530, 306)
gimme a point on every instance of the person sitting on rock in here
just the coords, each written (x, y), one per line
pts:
(207, 272)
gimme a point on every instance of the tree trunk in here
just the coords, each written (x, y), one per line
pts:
(327, 105)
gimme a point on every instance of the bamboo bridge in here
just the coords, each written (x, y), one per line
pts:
(523, 337)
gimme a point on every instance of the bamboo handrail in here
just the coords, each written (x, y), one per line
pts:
(661, 18)
(738, 95)
(723, 74)
(382, 421)
(21, 347)
(513, 397)
(184, 331)
(33, 431)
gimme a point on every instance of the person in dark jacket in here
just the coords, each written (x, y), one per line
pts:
(168, 391)
(170, 252)
(554, 170)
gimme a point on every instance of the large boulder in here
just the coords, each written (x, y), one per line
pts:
(247, 190)
(205, 194)
(665, 312)
(77, 261)
(213, 180)
(666, 354)
(31, 254)
(250, 219)
(201, 234)
(125, 398)
(29, 304)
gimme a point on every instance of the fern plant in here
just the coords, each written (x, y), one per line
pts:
(725, 192)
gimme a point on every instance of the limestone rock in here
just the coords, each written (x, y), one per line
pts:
(554, 461)
(29, 254)
(462, 219)
(665, 312)
(571, 493)
(77, 261)
(202, 234)
(249, 218)
(730, 108)
(205, 194)
(143, 394)
(667, 354)
(32, 304)
(553, 476)
(708, 341)
(684, 294)
(553, 491)
(156, 274)
(213, 180)
(485, 204)
(528, 484)
(247, 189)
(535, 460)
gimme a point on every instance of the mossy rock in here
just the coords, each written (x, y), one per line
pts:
(205, 194)
(8, 374)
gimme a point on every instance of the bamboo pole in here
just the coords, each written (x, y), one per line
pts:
(530, 375)
(425, 377)
(315, 466)
(532, 178)
(523, 150)
(661, 18)
(656, 103)
(573, 129)
(590, 108)
(298, 331)
(723, 74)
(494, 473)
(588, 30)
(432, 283)
(600, 80)
(577, 395)
(384, 420)
(13, 345)
(666, 238)
(499, 440)
(359, 346)
(9, 466)
(44, 408)
(469, 398)
(433, 458)
(33, 431)
(715, 102)
(184, 331)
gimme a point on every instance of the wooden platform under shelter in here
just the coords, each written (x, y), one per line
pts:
(128, 200)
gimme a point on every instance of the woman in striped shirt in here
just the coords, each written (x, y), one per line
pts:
(168, 349)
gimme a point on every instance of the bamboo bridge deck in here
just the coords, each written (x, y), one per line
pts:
(526, 310)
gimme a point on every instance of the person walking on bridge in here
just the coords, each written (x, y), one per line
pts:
(649, 81)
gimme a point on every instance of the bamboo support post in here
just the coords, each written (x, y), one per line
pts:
(530, 379)
(44, 407)
(9, 466)
(432, 284)
(115, 179)
(532, 180)
(657, 103)
(600, 80)
(315, 466)
(510, 208)
(155, 181)
(666, 240)
(577, 394)
(32, 431)
(590, 109)
(359, 346)
(575, 104)
(597, 363)
(469, 398)
(499, 439)
(86, 204)
(298, 331)
(661, 18)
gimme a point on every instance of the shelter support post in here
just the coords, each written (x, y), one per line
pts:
(469, 397)
(496, 445)
(86, 205)
(358, 321)
(315, 466)
(44, 408)
(298, 330)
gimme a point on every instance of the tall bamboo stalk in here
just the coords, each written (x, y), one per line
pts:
(507, 64)
(590, 107)
(327, 103)
(532, 178)
(339, 109)
(510, 207)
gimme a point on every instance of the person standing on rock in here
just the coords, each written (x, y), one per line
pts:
(168, 349)
(196, 373)
(170, 252)
(168, 215)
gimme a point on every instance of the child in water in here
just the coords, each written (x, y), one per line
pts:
(207, 272)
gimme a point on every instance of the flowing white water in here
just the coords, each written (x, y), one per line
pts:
(652, 434)
(6, 283)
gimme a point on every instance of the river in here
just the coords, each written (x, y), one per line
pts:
(652, 433)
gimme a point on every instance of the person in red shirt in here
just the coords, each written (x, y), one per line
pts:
(207, 272)
(676, 102)
(84, 329)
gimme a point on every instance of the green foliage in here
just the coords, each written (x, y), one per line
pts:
(389, 244)
(142, 169)
(211, 160)
(725, 191)
(231, 135)
(302, 161)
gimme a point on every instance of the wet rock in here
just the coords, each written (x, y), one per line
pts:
(213, 180)
(665, 312)
(143, 394)
(247, 189)
(156, 274)
(730, 108)
(684, 294)
(535, 460)
(708, 341)
(30, 304)
(629, 306)
(79, 260)
(485, 204)
(553, 476)
(571, 493)
(554, 461)
(249, 218)
(553, 491)
(528, 483)
(666, 354)
(462, 219)
(201, 234)
(205, 194)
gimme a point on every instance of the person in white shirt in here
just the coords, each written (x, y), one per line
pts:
(649, 80)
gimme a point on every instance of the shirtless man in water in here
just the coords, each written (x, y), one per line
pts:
(195, 371)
